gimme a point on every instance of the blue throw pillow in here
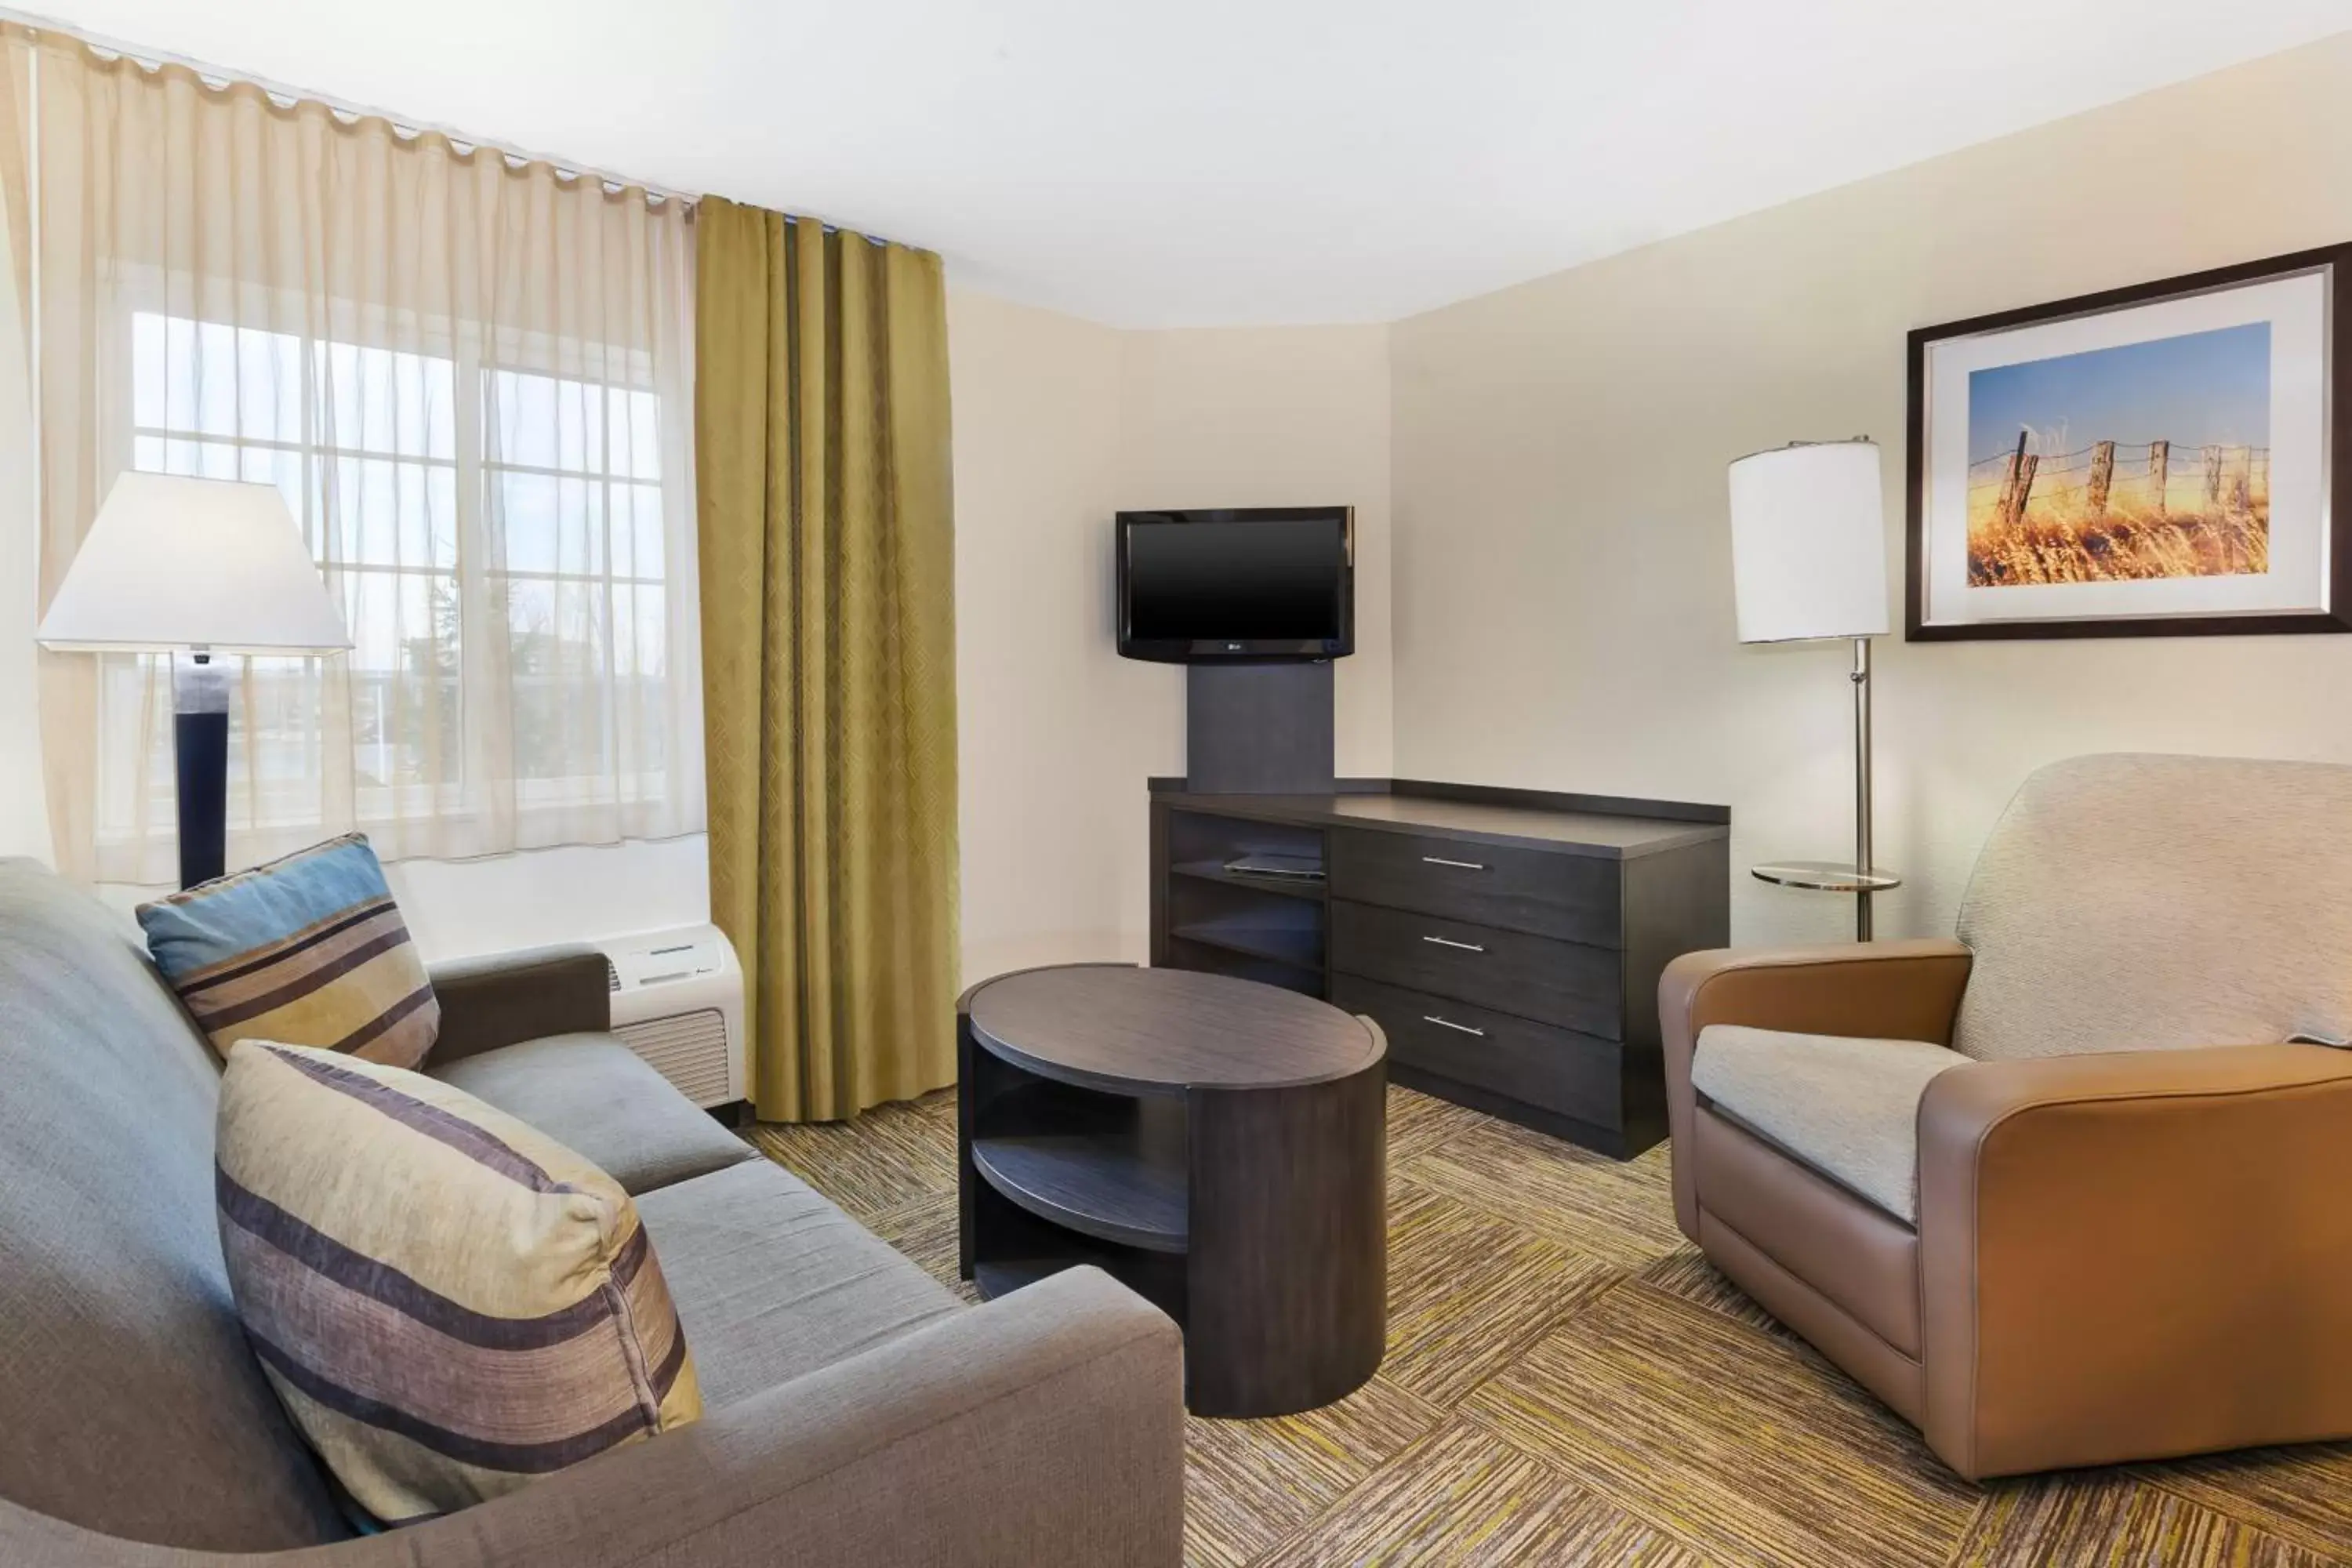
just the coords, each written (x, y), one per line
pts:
(305, 950)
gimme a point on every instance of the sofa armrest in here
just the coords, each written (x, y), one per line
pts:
(487, 1003)
(2136, 1253)
(1046, 1426)
(1877, 990)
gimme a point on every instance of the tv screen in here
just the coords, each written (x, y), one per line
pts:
(1262, 583)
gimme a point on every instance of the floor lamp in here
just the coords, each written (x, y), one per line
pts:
(1809, 562)
(195, 568)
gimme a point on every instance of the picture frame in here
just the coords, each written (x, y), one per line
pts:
(2170, 459)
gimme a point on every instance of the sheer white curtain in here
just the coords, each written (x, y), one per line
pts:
(473, 381)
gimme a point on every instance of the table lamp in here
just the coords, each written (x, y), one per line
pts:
(1809, 561)
(195, 568)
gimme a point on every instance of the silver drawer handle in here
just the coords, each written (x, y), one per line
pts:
(1449, 941)
(1457, 864)
(1450, 1024)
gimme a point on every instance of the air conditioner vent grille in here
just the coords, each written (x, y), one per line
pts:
(688, 1048)
(612, 973)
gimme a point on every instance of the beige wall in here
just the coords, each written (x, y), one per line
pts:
(1276, 417)
(1060, 423)
(1563, 579)
(1054, 735)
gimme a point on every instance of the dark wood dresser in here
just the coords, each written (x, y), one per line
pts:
(1508, 941)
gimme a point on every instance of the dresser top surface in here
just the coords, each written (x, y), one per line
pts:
(1605, 834)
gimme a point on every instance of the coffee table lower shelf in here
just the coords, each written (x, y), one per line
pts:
(1110, 1190)
(1122, 1183)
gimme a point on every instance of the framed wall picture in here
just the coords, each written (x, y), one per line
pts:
(2173, 457)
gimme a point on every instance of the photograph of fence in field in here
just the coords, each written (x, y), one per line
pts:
(2168, 459)
(2118, 511)
(2046, 506)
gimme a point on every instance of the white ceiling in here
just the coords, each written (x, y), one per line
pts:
(1227, 161)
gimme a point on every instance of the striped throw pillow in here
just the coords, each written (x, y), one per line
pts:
(448, 1302)
(308, 950)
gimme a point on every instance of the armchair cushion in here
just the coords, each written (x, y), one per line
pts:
(1847, 1108)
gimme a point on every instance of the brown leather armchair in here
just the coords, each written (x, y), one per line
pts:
(2051, 1191)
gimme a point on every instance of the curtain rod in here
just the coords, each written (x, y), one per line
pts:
(404, 125)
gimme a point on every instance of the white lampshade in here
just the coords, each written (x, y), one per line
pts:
(176, 562)
(1809, 543)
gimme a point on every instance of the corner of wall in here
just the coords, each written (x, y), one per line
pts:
(1059, 424)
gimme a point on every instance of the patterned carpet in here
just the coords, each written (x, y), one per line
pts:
(1568, 1382)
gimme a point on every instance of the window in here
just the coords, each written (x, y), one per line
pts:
(572, 470)
(470, 374)
(499, 540)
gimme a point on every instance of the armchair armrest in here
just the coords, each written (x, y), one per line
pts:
(1878, 990)
(2174, 1223)
(487, 1003)
(1046, 1426)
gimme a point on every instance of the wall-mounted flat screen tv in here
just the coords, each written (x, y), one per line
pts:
(1246, 584)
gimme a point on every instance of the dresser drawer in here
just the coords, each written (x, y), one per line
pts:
(1559, 1070)
(1562, 982)
(1573, 897)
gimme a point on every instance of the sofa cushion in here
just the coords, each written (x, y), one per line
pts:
(132, 1405)
(306, 950)
(1847, 1108)
(450, 1303)
(772, 1281)
(593, 1094)
(2132, 903)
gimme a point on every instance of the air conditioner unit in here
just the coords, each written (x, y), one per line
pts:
(677, 1001)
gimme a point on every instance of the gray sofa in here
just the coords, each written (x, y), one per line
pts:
(856, 1412)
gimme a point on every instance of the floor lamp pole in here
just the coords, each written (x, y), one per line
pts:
(1862, 784)
(200, 761)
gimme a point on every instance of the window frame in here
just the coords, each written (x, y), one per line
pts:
(476, 355)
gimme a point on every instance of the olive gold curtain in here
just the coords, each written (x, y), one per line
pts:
(827, 574)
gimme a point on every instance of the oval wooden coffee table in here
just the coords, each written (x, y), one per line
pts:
(1219, 1145)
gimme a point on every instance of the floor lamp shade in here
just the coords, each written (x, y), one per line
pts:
(1808, 560)
(1809, 543)
(195, 567)
(173, 563)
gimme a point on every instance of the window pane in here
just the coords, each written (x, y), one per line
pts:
(636, 433)
(379, 400)
(637, 530)
(395, 514)
(405, 677)
(134, 700)
(543, 422)
(276, 762)
(640, 686)
(642, 636)
(207, 378)
(540, 523)
(204, 459)
(558, 643)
